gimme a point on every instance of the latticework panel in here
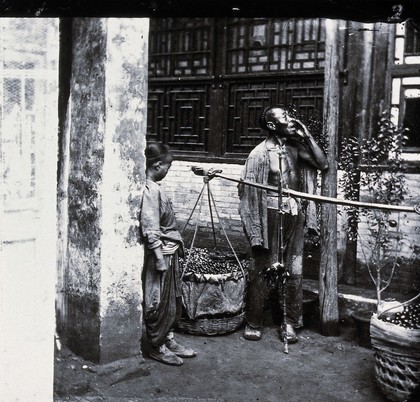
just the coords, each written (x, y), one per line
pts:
(270, 45)
(247, 100)
(180, 47)
(412, 40)
(28, 85)
(179, 116)
(226, 71)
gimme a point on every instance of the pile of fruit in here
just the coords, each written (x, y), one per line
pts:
(408, 318)
(202, 261)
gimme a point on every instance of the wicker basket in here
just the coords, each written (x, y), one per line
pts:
(397, 358)
(211, 326)
(213, 304)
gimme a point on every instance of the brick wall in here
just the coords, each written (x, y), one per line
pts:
(183, 187)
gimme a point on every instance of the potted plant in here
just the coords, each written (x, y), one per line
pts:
(374, 169)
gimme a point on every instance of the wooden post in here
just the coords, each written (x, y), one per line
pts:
(367, 61)
(328, 297)
(355, 114)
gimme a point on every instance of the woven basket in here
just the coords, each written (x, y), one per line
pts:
(397, 358)
(213, 304)
(211, 326)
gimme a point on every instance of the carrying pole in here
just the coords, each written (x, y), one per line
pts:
(321, 198)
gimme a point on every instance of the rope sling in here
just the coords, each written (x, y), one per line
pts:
(212, 204)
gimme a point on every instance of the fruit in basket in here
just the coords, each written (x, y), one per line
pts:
(409, 317)
(203, 261)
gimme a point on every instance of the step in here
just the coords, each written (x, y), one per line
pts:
(352, 298)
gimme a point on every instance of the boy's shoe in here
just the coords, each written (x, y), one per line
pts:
(164, 355)
(252, 334)
(290, 333)
(179, 350)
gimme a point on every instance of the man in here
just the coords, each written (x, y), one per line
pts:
(288, 147)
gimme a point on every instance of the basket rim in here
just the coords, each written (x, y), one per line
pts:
(214, 318)
(195, 277)
(393, 334)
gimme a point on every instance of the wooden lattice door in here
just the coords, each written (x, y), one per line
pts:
(209, 80)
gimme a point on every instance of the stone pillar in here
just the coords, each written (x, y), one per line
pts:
(106, 140)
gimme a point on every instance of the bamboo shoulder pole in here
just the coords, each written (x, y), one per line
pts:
(326, 199)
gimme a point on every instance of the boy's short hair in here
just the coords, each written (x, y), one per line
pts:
(155, 152)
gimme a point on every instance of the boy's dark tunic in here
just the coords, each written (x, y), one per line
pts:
(161, 290)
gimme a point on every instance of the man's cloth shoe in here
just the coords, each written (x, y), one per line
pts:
(164, 355)
(290, 333)
(252, 334)
(179, 350)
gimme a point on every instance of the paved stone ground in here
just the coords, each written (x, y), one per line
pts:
(229, 368)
